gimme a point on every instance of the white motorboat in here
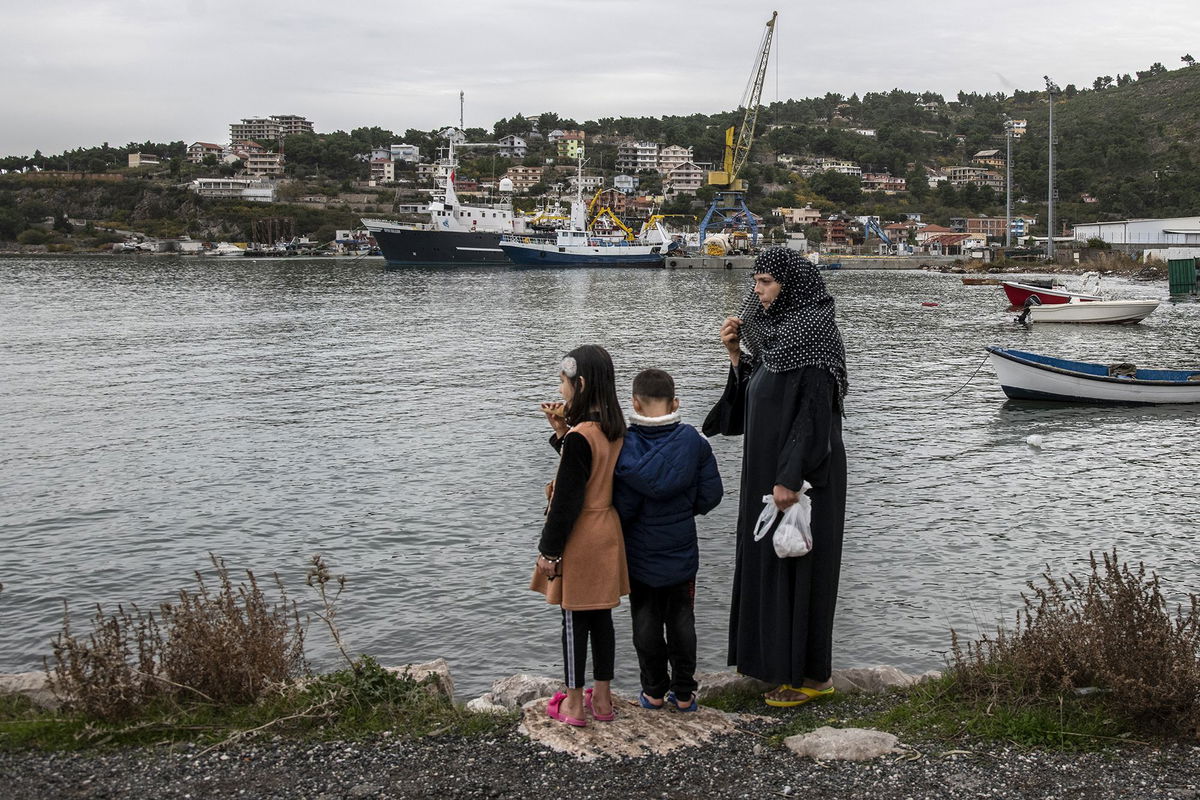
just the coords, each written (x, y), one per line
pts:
(1110, 312)
(1029, 376)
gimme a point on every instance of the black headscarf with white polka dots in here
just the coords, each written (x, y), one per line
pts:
(799, 329)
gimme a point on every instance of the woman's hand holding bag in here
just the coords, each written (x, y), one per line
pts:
(790, 529)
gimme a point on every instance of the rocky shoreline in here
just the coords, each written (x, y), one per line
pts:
(740, 765)
(643, 754)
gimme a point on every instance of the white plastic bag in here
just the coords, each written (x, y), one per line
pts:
(791, 530)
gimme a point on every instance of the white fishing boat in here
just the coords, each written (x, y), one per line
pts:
(580, 248)
(1029, 376)
(577, 246)
(1107, 312)
(455, 233)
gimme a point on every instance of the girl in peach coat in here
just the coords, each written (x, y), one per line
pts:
(581, 553)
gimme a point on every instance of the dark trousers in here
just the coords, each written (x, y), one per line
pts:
(577, 628)
(665, 609)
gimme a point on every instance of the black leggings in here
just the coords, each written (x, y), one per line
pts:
(577, 627)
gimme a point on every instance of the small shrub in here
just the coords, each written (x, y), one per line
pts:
(225, 647)
(114, 670)
(366, 698)
(231, 645)
(1111, 632)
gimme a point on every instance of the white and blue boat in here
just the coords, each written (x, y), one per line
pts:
(577, 246)
(583, 248)
(1029, 376)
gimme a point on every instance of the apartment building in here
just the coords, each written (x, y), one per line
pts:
(408, 153)
(686, 178)
(383, 170)
(834, 165)
(512, 146)
(614, 199)
(883, 182)
(144, 160)
(198, 150)
(673, 156)
(524, 177)
(244, 149)
(961, 176)
(837, 228)
(588, 183)
(992, 227)
(273, 128)
(263, 164)
(798, 216)
(570, 145)
(637, 156)
(989, 158)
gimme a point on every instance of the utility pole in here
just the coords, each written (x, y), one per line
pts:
(1050, 90)
(1008, 131)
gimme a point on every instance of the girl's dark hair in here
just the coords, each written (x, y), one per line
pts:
(598, 393)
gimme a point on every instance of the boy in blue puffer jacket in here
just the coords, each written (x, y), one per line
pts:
(665, 476)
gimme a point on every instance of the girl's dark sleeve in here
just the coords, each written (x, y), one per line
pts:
(728, 416)
(569, 486)
(805, 453)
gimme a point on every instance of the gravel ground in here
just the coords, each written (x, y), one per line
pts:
(510, 766)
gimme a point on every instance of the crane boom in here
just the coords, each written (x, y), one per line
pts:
(728, 208)
(738, 153)
(741, 151)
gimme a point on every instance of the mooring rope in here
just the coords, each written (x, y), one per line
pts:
(973, 374)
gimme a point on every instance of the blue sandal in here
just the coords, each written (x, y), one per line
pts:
(644, 701)
(695, 706)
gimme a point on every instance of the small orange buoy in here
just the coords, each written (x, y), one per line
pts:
(929, 304)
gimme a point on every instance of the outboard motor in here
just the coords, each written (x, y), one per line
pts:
(1030, 302)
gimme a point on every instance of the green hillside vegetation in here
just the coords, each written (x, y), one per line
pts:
(1130, 142)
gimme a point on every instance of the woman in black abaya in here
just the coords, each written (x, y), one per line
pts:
(786, 383)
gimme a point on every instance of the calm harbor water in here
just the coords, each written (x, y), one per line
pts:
(156, 410)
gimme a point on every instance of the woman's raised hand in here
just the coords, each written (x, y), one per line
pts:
(731, 337)
(554, 415)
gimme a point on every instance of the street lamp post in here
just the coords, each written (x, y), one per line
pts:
(1050, 90)
(1008, 130)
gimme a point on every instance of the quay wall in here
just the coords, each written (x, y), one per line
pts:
(826, 262)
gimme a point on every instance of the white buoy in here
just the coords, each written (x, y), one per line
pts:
(1034, 440)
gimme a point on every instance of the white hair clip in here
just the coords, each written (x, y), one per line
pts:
(569, 367)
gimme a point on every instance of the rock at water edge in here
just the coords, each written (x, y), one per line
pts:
(843, 744)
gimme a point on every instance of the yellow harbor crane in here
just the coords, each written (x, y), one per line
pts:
(729, 203)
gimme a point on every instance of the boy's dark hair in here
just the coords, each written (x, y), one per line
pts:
(654, 384)
(599, 391)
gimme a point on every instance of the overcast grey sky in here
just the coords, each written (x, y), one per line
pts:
(77, 74)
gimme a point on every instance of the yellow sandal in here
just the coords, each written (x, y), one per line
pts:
(805, 693)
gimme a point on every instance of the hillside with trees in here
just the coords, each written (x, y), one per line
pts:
(1127, 146)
